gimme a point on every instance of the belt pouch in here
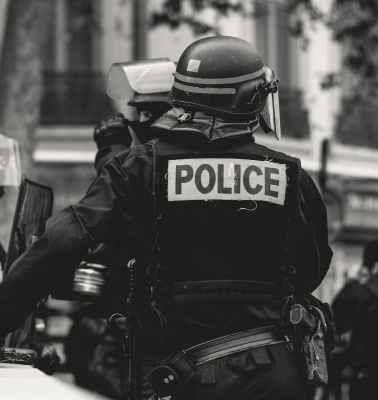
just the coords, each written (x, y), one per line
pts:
(173, 377)
(315, 358)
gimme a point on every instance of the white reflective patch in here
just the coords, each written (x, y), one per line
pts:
(193, 65)
(226, 179)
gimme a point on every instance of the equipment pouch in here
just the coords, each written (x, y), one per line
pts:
(329, 337)
(315, 357)
(173, 377)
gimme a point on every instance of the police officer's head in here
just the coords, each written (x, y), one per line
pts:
(146, 84)
(226, 77)
(151, 106)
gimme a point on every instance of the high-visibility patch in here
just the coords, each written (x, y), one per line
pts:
(226, 179)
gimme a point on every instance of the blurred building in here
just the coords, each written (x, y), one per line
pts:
(87, 36)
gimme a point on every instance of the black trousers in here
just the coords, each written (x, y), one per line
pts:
(239, 377)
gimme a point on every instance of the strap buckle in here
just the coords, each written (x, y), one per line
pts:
(184, 117)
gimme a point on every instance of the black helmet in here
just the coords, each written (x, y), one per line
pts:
(141, 99)
(225, 76)
(145, 81)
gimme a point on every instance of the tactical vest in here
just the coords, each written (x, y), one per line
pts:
(221, 250)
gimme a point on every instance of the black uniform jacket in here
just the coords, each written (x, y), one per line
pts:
(119, 202)
(356, 310)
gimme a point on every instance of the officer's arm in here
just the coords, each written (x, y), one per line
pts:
(112, 137)
(106, 153)
(107, 207)
(310, 235)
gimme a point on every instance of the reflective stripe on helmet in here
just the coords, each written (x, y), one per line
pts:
(195, 89)
(222, 81)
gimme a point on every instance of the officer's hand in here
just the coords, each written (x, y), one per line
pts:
(113, 130)
(47, 358)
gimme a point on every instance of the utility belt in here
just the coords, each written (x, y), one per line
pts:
(174, 376)
(303, 330)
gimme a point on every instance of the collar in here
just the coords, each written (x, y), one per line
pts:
(197, 127)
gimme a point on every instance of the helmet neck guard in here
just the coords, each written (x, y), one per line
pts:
(198, 127)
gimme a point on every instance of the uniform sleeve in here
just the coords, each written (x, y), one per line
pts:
(105, 154)
(108, 206)
(313, 254)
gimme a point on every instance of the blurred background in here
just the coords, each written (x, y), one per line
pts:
(55, 55)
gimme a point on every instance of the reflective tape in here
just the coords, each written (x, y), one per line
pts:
(195, 89)
(220, 81)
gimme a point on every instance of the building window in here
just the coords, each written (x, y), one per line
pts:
(358, 120)
(279, 52)
(74, 87)
(357, 123)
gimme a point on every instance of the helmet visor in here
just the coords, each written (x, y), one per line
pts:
(271, 110)
(148, 76)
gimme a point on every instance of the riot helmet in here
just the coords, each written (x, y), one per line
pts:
(140, 99)
(226, 77)
(145, 82)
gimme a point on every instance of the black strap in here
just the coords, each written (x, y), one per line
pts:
(261, 355)
(208, 373)
(234, 343)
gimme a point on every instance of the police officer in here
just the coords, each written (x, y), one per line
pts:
(356, 308)
(226, 233)
(90, 344)
(148, 83)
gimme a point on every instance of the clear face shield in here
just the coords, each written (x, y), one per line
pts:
(144, 77)
(10, 177)
(270, 115)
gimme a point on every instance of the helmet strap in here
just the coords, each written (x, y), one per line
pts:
(267, 88)
(262, 92)
(264, 125)
(253, 125)
(185, 117)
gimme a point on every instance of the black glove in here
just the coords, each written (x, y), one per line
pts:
(47, 358)
(113, 130)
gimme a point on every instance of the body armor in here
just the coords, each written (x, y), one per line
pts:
(220, 254)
